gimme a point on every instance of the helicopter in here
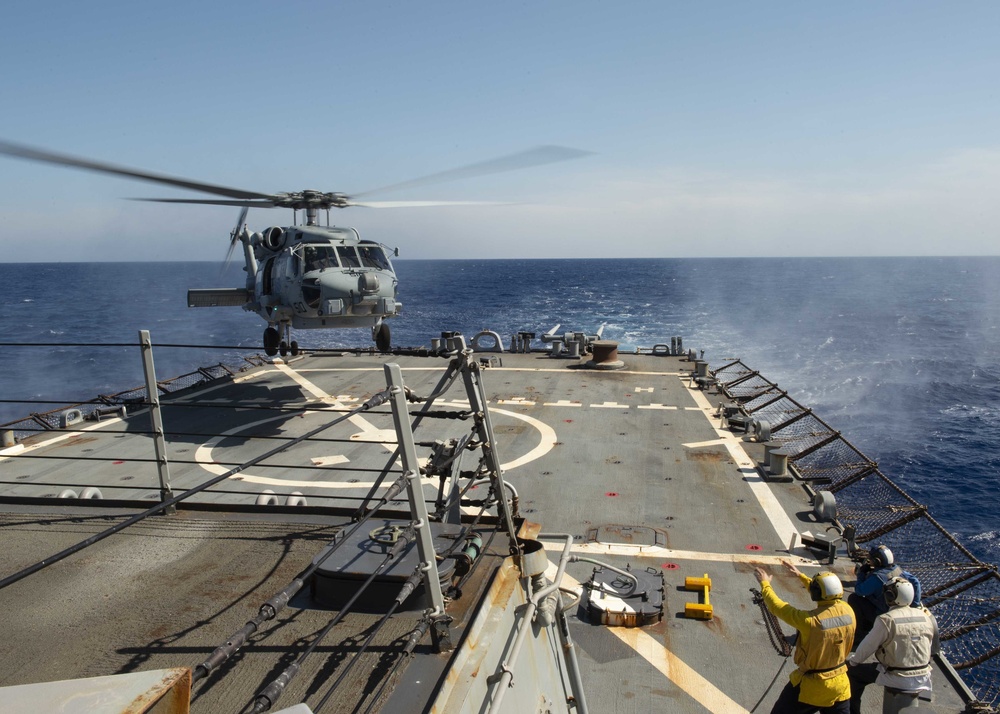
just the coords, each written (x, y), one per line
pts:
(307, 276)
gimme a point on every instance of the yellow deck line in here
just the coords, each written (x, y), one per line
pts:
(662, 659)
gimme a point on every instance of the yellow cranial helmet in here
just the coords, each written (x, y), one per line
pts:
(826, 586)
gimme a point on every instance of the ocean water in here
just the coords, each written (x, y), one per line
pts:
(900, 354)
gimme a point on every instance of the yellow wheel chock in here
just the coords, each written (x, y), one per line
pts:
(699, 610)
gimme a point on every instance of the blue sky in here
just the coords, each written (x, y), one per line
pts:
(728, 128)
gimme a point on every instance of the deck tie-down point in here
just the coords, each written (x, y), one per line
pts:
(699, 610)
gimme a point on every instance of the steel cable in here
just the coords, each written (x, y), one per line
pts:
(270, 609)
(269, 696)
(408, 587)
(374, 401)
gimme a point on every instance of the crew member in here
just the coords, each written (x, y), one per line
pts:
(902, 641)
(826, 633)
(872, 576)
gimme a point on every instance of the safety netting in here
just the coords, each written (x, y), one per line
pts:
(962, 591)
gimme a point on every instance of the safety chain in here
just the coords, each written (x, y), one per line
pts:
(772, 626)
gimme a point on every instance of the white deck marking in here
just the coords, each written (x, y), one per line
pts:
(662, 659)
(782, 524)
(367, 428)
(22, 449)
(699, 444)
(610, 405)
(385, 437)
(643, 389)
(378, 436)
(562, 403)
(546, 442)
(656, 406)
(516, 401)
(561, 370)
(459, 403)
(661, 553)
(330, 460)
(365, 369)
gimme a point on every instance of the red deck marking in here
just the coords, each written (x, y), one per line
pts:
(611, 494)
(754, 546)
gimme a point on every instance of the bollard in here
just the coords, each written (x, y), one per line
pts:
(769, 446)
(779, 462)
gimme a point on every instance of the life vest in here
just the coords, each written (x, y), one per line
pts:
(907, 649)
(831, 634)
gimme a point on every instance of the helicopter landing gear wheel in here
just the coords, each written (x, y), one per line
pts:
(383, 338)
(271, 340)
(283, 348)
(294, 347)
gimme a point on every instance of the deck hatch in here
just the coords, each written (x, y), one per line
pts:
(616, 534)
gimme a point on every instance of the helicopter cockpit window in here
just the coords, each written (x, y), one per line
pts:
(348, 256)
(318, 257)
(373, 257)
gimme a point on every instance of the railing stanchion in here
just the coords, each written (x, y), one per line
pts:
(159, 443)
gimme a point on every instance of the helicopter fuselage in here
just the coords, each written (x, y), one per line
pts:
(313, 277)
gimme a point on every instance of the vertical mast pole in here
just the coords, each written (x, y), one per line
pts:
(414, 490)
(159, 443)
(472, 374)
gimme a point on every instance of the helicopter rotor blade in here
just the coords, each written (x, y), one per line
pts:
(422, 204)
(26, 152)
(212, 202)
(234, 237)
(512, 162)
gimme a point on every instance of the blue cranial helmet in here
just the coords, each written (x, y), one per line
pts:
(881, 556)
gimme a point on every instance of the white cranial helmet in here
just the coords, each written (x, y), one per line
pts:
(898, 592)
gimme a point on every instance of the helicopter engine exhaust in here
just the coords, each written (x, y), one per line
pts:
(274, 238)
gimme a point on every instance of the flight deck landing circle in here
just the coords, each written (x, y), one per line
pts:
(204, 453)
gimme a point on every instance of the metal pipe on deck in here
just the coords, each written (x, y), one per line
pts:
(503, 682)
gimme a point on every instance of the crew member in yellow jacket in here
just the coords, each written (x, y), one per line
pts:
(826, 633)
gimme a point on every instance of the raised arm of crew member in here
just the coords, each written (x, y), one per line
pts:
(781, 609)
(826, 632)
